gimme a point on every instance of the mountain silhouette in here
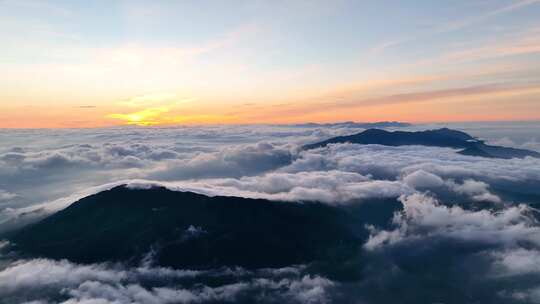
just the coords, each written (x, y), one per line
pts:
(445, 137)
(189, 230)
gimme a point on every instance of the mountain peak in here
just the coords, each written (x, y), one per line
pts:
(444, 137)
(189, 230)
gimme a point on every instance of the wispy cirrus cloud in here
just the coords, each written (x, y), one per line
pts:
(512, 6)
(454, 25)
(428, 97)
(153, 99)
(523, 45)
(433, 95)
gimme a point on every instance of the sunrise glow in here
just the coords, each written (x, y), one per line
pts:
(72, 66)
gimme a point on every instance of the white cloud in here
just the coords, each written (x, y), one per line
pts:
(234, 161)
(422, 179)
(41, 273)
(4, 195)
(477, 190)
(525, 295)
(42, 280)
(519, 261)
(423, 217)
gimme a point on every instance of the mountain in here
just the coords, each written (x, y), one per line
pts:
(352, 124)
(434, 138)
(189, 230)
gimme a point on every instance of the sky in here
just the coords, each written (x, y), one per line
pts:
(77, 64)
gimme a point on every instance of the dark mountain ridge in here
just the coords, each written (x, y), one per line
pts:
(444, 137)
(189, 230)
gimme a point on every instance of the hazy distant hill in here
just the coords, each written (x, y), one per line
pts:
(436, 138)
(352, 124)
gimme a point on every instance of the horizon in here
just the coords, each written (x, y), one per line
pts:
(71, 64)
(291, 124)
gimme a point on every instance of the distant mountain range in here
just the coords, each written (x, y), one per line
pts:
(352, 124)
(434, 138)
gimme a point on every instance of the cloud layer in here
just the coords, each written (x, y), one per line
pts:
(472, 219)
(48, 281)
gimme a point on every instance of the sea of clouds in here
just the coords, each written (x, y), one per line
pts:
(484, 209)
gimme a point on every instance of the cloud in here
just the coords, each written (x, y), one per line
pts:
(422, 179)
(475, 189)
(183, 158)
(419, 96)
(423, 217)
(40, 273)
(524, 44)
(231, 161)
(332, 187)
(462, 219)
(4, 195)
(514, 262)
(433, 95)
(530, 143)
(71, 161)
(515, 5)
(65, 282)
(458, 24)
(526, 296)
(488, 254)
(153, 100)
